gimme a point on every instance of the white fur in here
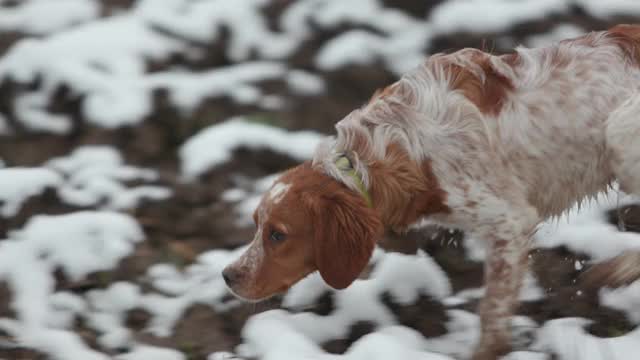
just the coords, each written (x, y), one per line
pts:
(278, 192)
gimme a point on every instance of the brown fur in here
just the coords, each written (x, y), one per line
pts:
(346, 231)
(628, 38)
(403, 191)
(488, 89)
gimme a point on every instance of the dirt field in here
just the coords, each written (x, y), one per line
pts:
(194, 219)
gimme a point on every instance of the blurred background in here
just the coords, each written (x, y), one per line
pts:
(137, 136)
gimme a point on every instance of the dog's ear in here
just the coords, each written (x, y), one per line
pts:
(346, 231)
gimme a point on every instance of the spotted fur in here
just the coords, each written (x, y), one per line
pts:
(489, 144)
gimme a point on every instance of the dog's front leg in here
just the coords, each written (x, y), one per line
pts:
(505, 268)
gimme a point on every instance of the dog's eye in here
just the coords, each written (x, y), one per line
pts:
(277, 236)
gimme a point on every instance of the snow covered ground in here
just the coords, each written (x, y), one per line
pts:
(112, 112)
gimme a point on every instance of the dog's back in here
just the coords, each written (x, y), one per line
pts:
(545, 126)
(552, 128)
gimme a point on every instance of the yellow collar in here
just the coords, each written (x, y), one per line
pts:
(344, 164)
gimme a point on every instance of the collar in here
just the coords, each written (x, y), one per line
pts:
(343, 163)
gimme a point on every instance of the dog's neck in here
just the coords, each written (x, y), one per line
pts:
(403, 191)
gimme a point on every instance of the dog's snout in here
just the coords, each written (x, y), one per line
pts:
(230, 276)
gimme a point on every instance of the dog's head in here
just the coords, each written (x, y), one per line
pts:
(307, 221)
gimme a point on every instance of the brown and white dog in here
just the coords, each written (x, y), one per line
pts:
(489, 144)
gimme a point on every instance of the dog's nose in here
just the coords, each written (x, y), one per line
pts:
(230, 276)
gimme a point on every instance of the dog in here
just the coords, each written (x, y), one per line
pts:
(491, 145)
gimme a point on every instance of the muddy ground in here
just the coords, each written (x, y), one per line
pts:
(195, 219)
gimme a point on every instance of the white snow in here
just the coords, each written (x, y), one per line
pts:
(246, 200)
(485, 16)
(103, 59)
(188, 89)
(399, 51)
(18, 184)
(560, 32)
(106, 60)
(567, 338)
(610, 8)
(215, 144)
(78, 243)
(584, 229)
(89, 176)
(145, 352)
(45, 16)
(360, 301)
(305, 83)
(31, 111)
(200, 21)
(95, 175)
(626, 298)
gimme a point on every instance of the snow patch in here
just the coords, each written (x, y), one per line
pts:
(558, 33)
(214, 145)
(18, 184)
(39, 17)
(568, 339)
(585, 229)
(95, 176)
(78, 243)
(484, 16)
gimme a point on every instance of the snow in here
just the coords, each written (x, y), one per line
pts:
(247, 199)
(400, 45)
(354, 47)
(17, 184)
(32, 114)
(330, 14)
(626, 299)
(214, 145)
(485, 16)
(560, 32)
(398, 273)
(95, 176)
(144, 352)
(78, 243)
(200, 21)
(188, 89)
(81, 243)
(584, 229)
(89, 176)
(305, 83)
(610, 8)
(567, 338)
(106, 61)
(101, 59)
(45, 16)
(361, 301)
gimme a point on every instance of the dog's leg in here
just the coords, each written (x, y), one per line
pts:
(505, 267)
(623, 146)
(623, 143)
